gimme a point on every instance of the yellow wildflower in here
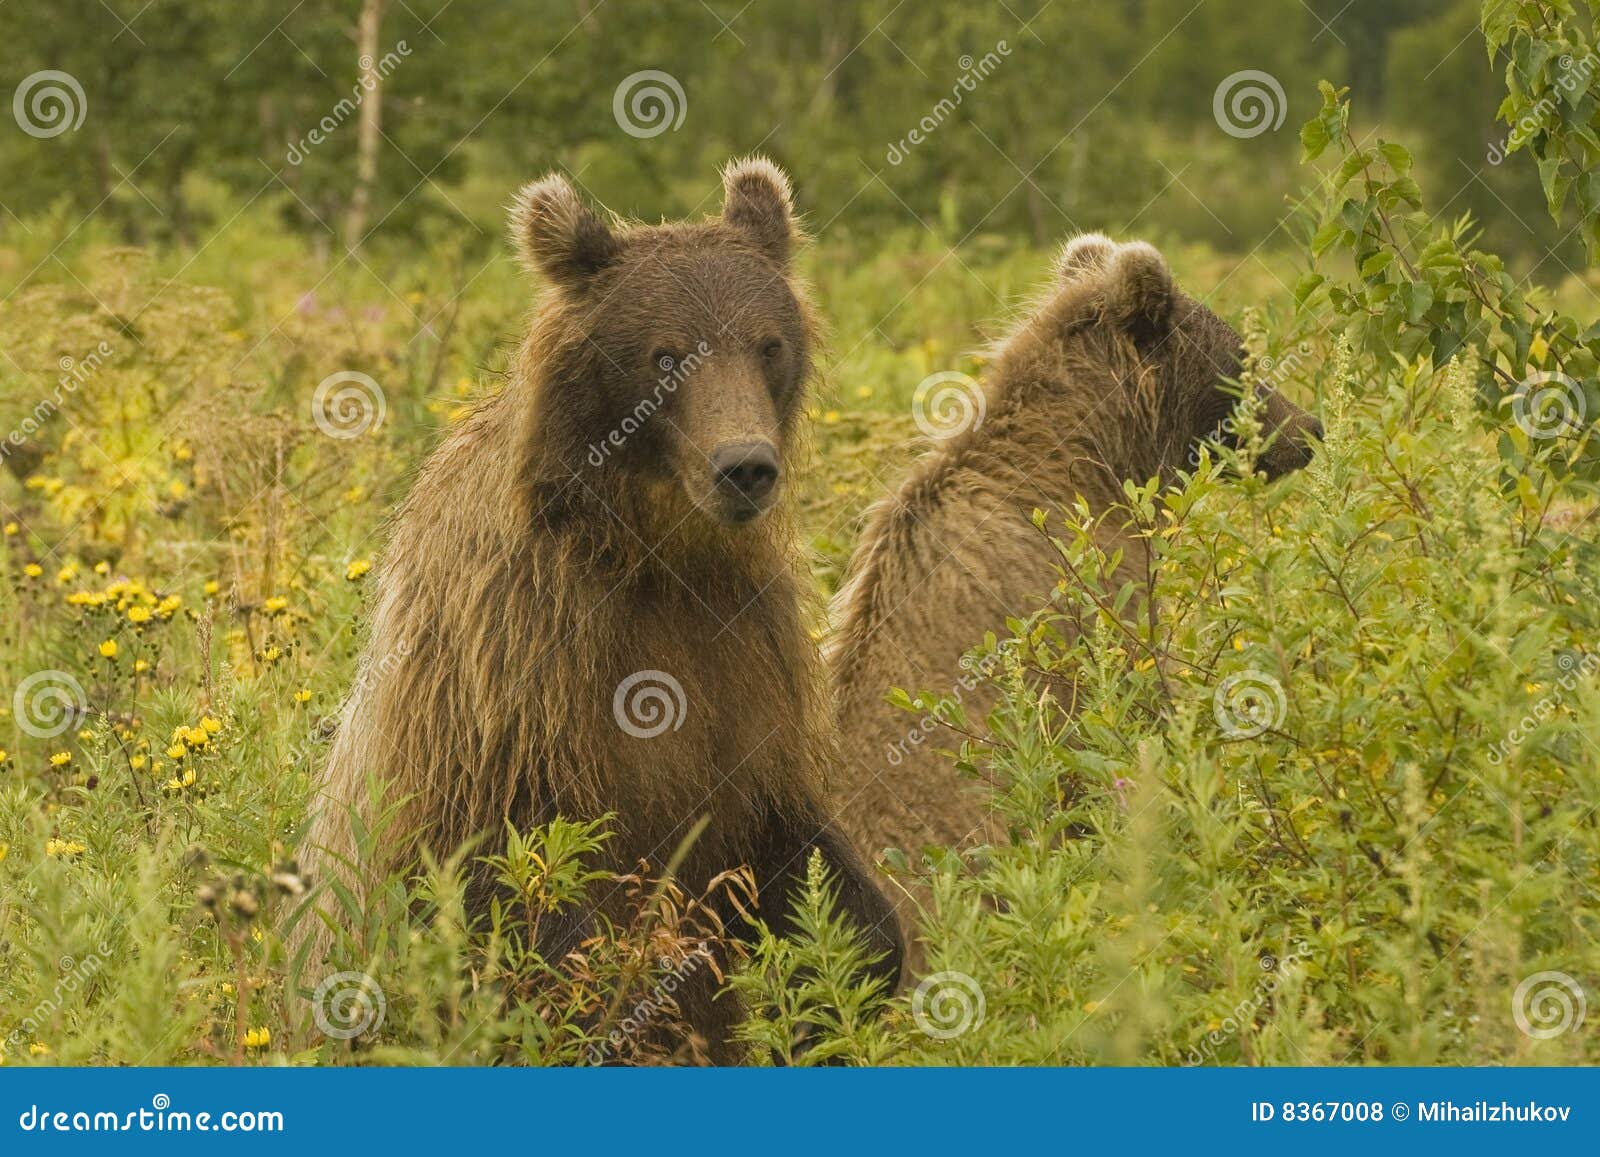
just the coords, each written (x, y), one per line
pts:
(12, 528)
(67, 573)
(275, 604)
(140, 666)
(357, 568)
(303, 695)
(108, 649)
(271, 655)
(211, 587)
(211, 725)
(258, 1038)
(33, 570)
(38, 1049)
(138, 615)
(61, 759)
(177, 751)
(55, 847)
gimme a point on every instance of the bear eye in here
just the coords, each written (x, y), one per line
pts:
(772, 349)
(664, 360)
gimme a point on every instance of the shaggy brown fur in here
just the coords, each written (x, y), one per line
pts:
(602, 517)
(1115, 377)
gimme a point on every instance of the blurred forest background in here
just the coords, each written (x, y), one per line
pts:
(1100, 115)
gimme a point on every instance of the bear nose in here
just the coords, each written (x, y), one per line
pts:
(1316, 429)
(747, 468)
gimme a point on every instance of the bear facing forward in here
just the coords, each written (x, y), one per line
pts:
(594, 585)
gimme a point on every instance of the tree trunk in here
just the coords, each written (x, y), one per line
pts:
(369, 123)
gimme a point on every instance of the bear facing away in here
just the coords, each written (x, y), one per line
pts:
(593, 583)
(1117, 376)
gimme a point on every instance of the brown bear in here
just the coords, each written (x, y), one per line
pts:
(1117, 376)
(594, 590)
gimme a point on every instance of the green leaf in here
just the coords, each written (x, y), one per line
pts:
(1417, 297)
(1398, 157)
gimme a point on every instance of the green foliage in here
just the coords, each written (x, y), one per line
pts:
(1094, 116)
(1421, 289)
(1551, 104)
(1332, 803)
(805, 995)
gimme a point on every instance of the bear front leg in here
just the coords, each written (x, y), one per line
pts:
(780, 869)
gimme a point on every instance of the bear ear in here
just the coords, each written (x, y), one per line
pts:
(1085, 253)
(556, 234)
(1139, 294)
(756, 199)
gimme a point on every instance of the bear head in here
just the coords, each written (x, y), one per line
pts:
(1182, 357)
(676, 353)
